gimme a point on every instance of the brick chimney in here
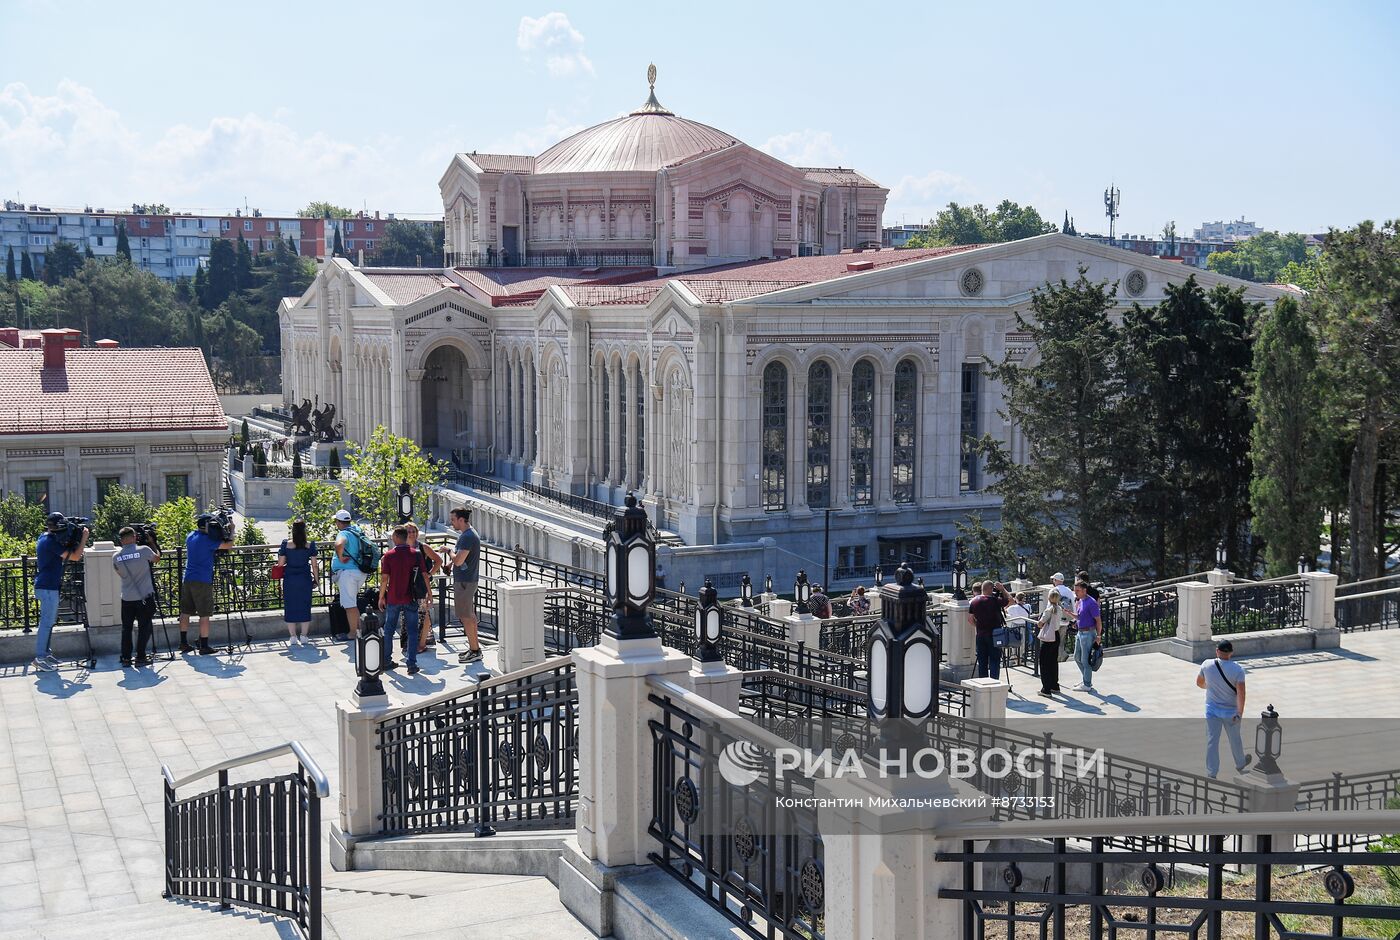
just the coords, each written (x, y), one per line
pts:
(9, 335)
(74, 338)
(55, 342)
(106, 344)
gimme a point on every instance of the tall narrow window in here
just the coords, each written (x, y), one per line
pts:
(605, 424)
(904, 424)
(971, 425)
(623, 471)
(819, 435)
(862, 433)
(638, 471)
(526, 414)
(510, 428)
(774, 437)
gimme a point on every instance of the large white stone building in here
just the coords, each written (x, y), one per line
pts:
(742, 401)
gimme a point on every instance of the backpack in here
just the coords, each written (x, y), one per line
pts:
(367, 555)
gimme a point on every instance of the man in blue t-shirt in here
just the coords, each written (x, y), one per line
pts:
(1223, 681)
(50, 555)
(197, 587)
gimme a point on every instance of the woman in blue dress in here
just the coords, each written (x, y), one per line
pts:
(300, 573)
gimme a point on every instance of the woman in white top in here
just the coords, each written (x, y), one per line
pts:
(1051, 625)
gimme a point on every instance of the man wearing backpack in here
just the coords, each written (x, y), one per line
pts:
(349, 541)
(1223, 681)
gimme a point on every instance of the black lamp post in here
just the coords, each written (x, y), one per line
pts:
(902, 659)
(1268, 741)
(1020, 567)
(1220, 556)
(746, 592)
(405, 502)
(681, 588)
(631, 573)
(709, 624)
(801, 591)
(879, 576)
(960, 575)
(768, 584)
(369, 657)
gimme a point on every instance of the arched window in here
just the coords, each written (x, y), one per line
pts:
(623, 471)
(819, 435)
(509, 428)
(605, 425)
(904, 428)
(638, 472)
(774, 437)
(862, 433)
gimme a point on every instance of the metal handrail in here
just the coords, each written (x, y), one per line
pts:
(313, 769)
(1354, 584)
(448, 695)
(702, 707)
(1292, 821)
(1384, 592)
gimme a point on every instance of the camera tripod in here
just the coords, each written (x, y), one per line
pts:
(160, 612)
(227, 589)
(73, 589)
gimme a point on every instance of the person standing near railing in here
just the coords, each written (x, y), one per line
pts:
(818, 603)
(133, 563)
(429, 562)
(1223, 681)
(986, 614)
(466, 572)
(345, 566)
(1052, 622)
(397, 570)
(1089, 632)
(859, 603)
(51, 553)
(301, 570)
(197, 584)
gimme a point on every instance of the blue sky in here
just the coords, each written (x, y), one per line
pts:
(1287, 113)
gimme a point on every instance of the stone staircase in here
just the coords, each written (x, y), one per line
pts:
(368, 905)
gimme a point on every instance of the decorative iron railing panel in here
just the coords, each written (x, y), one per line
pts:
(1255, 607)
(847, 635)
(580, 504)
(1370, 611)
(504, 755)
(573, 618)
(1157, 904)
(252, 845)
(1347, 793)
(758, 862)
(477, 482)
(1139, 617)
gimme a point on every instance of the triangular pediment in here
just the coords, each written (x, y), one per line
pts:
(671, 319)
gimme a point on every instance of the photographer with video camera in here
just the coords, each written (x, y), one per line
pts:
(63, 541)
(133, 562)
(213, 533)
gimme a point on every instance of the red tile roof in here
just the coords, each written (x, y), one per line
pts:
(522, 286)
(502, 162)
(406, 288)
(108, 390)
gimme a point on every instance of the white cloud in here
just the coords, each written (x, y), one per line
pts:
(534, 140)
(70, 148)
(555, 38)
(804, 148)
(918, 198)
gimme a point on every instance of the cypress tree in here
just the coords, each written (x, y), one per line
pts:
(243, 436)
(337, 249)
(334, 463)
(200, 287)
(123, 245)
(243, 266)
(10, 274)
(26, 267)
(296, 465)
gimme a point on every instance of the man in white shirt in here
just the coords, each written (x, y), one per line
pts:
(1223, 681)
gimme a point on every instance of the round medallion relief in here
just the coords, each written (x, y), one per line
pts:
(972, 282)
(1135, 283)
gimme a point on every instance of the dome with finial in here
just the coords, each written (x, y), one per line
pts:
(645, 140)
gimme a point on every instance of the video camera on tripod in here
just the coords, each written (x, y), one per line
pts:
(146, 534)
(69, 530)
(218, 523)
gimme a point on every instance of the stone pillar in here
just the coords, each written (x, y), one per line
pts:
(881, 879)
(719, 682)
(361, 776)
(804, 628)
(1193, 627)
(1265, 793)
(412, 406)
(520, 629)
(958, 640)
(777, 608)
(986, 699)
(1217, 577)
(102, 589)
(1320, 609)
(1019, 585)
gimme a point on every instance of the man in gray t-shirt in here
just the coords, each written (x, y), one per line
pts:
(466, 571)
(1223, 681)
(133, 563)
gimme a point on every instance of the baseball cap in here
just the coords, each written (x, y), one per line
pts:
(342, 516)
(1225, 646)
(1057, 576)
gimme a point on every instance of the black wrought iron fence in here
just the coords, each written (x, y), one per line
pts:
(846, 635)
(254, 845)
(563, 258)
(1374, 610)
(999, 899)
(501, 755)
(1139, 617)
(479, 483)
(1254, 607)
(752, 852)
(573, 618)
(580, 504)
(19, 608)
(505, 565)
(1347, 793)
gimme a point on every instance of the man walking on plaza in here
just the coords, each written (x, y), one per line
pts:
(1089, 622)
(397, 570)
(466, 571)
(986, 614)
(1223, 681)
(345, 566)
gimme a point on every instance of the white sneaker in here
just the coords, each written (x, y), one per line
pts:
(43, 665)
(51, 659)
(1081, 687)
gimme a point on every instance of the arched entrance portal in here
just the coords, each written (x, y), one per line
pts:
(446, 401)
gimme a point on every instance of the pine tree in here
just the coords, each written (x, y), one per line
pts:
(337, 249)
(242, 266)
(200, 286)
(10, 274)
(87, 252)
(221, 277)
(26, 267)
(1290, 441)
(123, 245)
(334, 463)
(243, 435)
(296, 464)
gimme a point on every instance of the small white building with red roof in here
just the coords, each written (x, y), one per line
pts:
(75, 420)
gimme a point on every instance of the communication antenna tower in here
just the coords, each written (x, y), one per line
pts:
(1111, 199)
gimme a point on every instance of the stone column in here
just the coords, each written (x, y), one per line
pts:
(986, 699)
(361, 776)
(719, 682)
(1320, 609)
(883, 457)
(1217, 577)
(412, 405)
(632, 476)
(1193, 626)
(958, 640)
(797, 426)
(778, 608)
(521, 623)
(841, 439)
(804, 628)
(102, 589)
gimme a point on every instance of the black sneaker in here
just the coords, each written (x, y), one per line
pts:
(413, 669)
(142, 661)
(205, 649)
(471, 656)
(126, 661)
(1248, 759)
(185, 647)
(391, 664)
